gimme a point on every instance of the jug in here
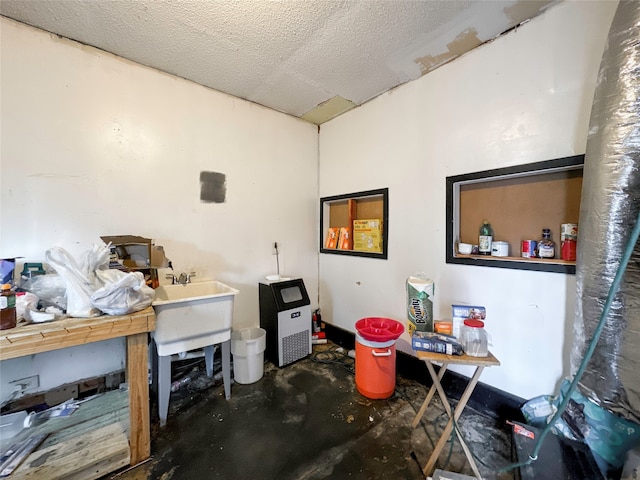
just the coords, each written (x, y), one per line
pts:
(474, 338)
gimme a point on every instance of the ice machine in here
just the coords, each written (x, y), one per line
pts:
(285, 313)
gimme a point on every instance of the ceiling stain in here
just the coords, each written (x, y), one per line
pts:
(526, 9)
(327, 110)
(312, 51)
(467, 40)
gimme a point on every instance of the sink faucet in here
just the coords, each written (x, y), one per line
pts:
(182, 279)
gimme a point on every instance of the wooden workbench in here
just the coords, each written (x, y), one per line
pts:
(69, 332)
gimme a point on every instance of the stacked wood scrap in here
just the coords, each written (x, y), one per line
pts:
(86, 445)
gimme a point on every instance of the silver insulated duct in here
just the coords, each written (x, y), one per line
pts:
(609, 208)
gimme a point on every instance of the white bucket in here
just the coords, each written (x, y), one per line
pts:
(247, 347)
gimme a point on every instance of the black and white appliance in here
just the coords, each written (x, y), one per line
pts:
(285, 314)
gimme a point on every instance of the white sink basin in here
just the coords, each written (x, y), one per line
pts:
(192, 316)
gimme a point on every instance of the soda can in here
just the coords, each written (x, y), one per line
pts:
(568, 241)
(529, 248)
(568, 249)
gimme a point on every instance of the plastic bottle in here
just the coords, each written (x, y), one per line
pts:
(546, 246)
(474, 338)
(485, 238)
(8, 308)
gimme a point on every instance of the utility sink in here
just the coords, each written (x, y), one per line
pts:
(190, 316)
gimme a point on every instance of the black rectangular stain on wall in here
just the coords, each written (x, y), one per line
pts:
(213, 187)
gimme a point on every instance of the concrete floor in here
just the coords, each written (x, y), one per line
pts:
(308, 421)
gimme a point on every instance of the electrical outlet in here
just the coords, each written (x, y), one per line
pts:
(27, 383)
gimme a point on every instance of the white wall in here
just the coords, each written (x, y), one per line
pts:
(525, 97)
(93, 145)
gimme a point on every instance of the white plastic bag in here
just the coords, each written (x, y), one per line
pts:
(80, 278)
(93, 288)
(122, 293)
(50, 290)
(25, 302)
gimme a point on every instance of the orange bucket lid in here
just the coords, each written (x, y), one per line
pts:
(379, 329)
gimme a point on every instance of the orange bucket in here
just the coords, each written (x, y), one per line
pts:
(375, 367)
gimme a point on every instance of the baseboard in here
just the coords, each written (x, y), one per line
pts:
(485, 399)
(340, 336)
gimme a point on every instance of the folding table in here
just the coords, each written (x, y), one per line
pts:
(430, 358)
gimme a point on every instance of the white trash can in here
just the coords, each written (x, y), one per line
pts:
(247, 347)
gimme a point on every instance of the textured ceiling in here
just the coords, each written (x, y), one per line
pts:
(309, 58)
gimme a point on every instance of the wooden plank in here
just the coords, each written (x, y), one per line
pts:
(77, 324)
(488, 361)
(110, 407)
(86, 457)
(108, 411)
(37, 338)
(101, 468)
(139, 415)
(352, 207)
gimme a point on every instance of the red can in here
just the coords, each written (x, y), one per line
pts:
(568, 249)
(529, 248)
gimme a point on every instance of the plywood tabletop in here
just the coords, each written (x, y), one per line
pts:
(28, 339)
(488, 361)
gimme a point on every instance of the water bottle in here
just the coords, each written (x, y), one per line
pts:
(485, 238)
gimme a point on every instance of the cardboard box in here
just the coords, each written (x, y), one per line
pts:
(462, 312)
(436, 343)
(132, 251)
(7, 270)
(158, 258)
(332, 237)
(443, 326)
(367, 235)
(345, 240)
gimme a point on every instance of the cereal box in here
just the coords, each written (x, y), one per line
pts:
(462, 312)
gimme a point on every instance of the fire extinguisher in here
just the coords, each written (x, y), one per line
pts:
(316, 321)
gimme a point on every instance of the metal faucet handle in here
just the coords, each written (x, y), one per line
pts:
(173, 278)
(189, 275)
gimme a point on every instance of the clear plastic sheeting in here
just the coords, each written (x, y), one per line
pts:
(609, 208)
